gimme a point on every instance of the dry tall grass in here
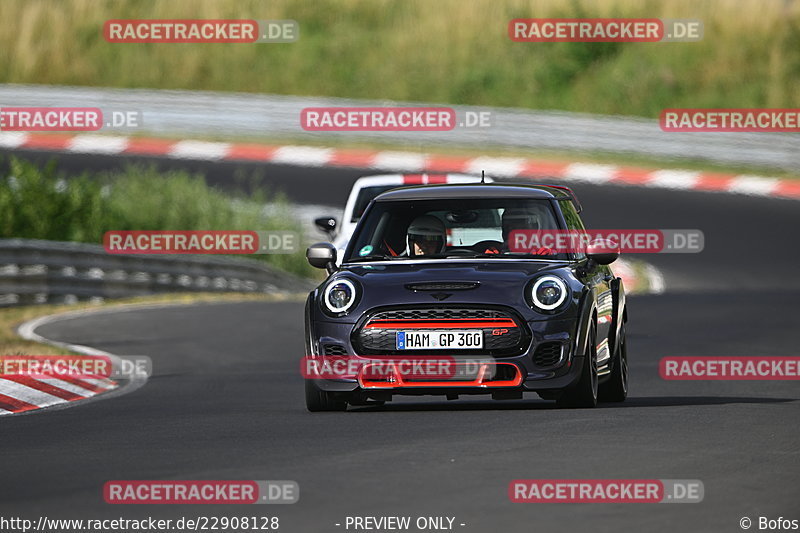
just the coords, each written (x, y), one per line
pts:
(451, 51)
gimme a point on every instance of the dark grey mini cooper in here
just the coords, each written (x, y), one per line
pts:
(432, 298)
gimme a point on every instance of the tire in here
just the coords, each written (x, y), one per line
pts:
(616, 388)
(584, 392)
(318, 400)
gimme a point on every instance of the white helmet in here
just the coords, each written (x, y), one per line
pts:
(428, 233)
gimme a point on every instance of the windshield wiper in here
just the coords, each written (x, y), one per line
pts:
(474, 256)
(503, 255)
(371, 257)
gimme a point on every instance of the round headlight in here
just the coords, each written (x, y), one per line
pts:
(339, 296)
(548, 292)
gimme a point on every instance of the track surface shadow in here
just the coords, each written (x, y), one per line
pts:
(630, 403)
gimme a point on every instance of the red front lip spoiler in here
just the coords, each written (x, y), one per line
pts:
(483, 378)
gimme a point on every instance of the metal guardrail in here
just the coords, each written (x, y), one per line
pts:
(196, 113)
(36, 272)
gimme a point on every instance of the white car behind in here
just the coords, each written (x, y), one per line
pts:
(367, 188)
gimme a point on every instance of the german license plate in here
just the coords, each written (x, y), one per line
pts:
(465, 339)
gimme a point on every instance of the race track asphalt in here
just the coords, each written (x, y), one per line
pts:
(226, 401)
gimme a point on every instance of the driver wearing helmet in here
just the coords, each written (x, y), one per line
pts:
(425, 236)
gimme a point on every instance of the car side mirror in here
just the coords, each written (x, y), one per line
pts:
(326, 224)
(322, 255)
(602, 252)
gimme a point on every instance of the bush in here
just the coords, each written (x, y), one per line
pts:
(35, 203)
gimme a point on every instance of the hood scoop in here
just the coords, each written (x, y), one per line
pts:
(443, 286)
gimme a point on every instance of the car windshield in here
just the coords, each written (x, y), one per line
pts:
(440, 229)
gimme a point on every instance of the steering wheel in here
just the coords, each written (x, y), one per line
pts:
(460, 251)
(482, 246)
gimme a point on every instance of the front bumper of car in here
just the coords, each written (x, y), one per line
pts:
(543, 357)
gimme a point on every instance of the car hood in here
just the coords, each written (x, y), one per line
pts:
(499, 281)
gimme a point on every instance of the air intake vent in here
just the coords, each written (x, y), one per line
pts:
(547, 354)
(334, 349)
(443, 286)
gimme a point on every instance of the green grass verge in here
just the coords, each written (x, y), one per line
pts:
(35, 203)
(447, 51)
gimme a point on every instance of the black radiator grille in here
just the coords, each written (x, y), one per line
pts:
(503, 332)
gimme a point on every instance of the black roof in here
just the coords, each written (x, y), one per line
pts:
(472, 190)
